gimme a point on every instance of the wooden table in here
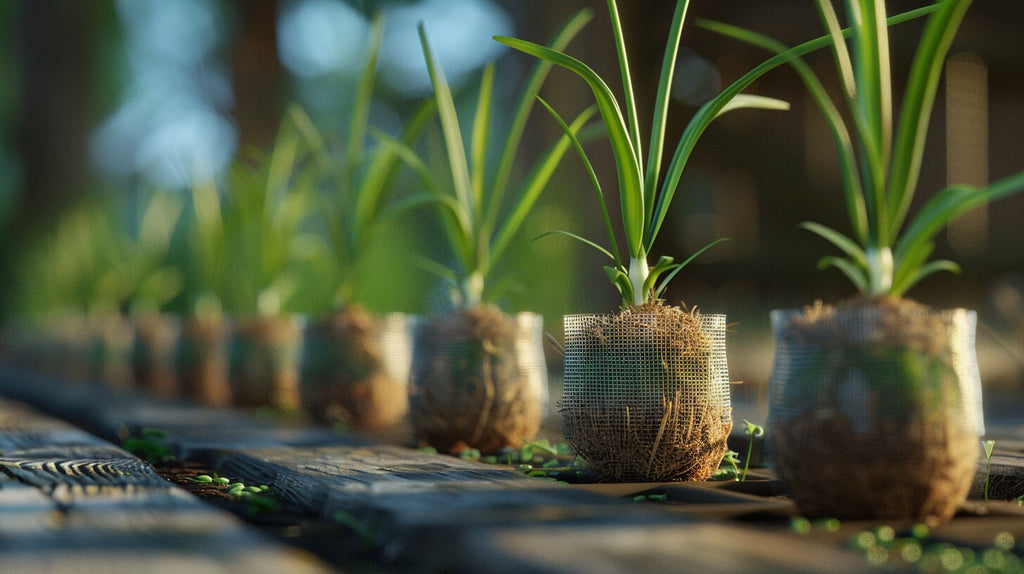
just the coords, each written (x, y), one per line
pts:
(72, 500)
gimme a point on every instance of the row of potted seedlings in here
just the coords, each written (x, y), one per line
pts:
(875, 404)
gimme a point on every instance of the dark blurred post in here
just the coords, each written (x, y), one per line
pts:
(55, 56)
(55, 39)
(256, 72)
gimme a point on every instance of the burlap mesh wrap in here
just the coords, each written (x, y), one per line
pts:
(875, 410)
(478, 377)
(641, 401)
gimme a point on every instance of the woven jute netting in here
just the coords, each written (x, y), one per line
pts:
(875, 408)
(478, 378)
(646, 393)
(356, 368)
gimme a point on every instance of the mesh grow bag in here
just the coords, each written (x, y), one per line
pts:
(356, 368)
(646, 394)
(478, 377)
(875, 409)
(202, 360)
(265, 362)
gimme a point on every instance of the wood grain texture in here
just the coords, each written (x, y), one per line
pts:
(419, 511)
(70, 502)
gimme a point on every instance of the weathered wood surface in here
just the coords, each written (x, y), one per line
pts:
(447, 514)
(70, 502)
(425, 512)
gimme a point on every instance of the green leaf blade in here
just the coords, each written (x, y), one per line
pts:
(918, 101)
(630, 184)
(454, 145)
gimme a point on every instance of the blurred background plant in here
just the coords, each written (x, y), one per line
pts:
(480, 218)
(355, 178)
(163, 91)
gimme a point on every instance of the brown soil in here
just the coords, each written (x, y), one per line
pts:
(468, 385)
(662, 421)
(914, 470)
(904, 322)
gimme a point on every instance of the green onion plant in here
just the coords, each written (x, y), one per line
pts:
(880, 153)
(356, 182)
(245, 245)
(479, 215)
(93, 263)
(644, 195)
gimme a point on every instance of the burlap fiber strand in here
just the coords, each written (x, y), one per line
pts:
(646, 393)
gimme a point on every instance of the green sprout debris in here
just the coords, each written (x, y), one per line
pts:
(916, 549)
(149, 446)
(257, 499)
(988, 445)
(754, 431)
(729, 468)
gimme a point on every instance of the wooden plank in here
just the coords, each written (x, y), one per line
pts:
(111, 414)
(687, 547)
(72, 503)
(147, 531)
(442, 513)
(432, 512)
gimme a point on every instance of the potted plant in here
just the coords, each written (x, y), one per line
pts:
(155, 281)
(646, 390)
(356, 363)
(71, 290)
(884, 389)
(202, 360)
(266, 213)
(479, 378)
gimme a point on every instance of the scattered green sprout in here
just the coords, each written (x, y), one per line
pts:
(989, 446)
(916, 549)
(257, 499)
(150, 446)
(539, 458)
(880, 159)
(753, 431)
(729, 468)
(480, 219)
(650, 498)
(800, 525)
(643, 195)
